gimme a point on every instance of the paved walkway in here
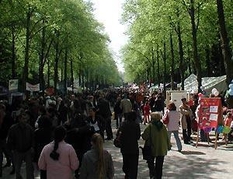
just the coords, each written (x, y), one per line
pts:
(201, 162)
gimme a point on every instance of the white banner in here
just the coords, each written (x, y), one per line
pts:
(30, 87)
(13, 84)
(177, 96)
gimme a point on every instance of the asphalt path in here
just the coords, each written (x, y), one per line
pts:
(194, 162)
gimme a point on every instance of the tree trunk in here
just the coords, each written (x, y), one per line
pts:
(80, 78)
(27, 47)
(158, 69)
(190, 63)
(226, 51)
(195, 51)
(181, 54)
(148, 75)
(48, 72)
(172, 61)
(65, 71)
(153, 65)
(13, 66)
(42, 59)
(56, 62)
(208, 68)
(72, 74)
(164, 66)
(83, 78)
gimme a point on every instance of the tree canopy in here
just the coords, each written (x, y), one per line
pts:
(170, 39)
(54, 43)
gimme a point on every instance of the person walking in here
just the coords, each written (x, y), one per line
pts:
(186, 114)
(3, 136)
(118, 112)
(129, 135)
(79, 134)
(126, 105)
(96, 122)
(97, 163)
(159, 103)
(156, 134)
(227, 123)
(21, 142)
(146, 113)
(105, 111)
(6, 121)
(58, 158)
(173, 124)
(42, 137)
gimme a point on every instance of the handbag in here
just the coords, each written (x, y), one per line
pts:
(146, 150)
(166, 119)
(194, 125)
(117, 141)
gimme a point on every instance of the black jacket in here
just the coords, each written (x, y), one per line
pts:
(21, 137)
(130, 134)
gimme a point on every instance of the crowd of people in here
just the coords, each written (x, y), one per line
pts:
(49, 133)
(62, 136)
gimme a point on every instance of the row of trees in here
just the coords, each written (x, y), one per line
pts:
(171, 39)
(53, 41)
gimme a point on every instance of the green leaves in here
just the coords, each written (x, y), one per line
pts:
(152, 23)
(55, 26)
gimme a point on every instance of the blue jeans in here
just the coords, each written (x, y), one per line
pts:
(176, 135)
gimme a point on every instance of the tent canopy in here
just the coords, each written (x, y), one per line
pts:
(208, 83)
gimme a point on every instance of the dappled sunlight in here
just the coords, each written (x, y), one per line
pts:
(202, 161)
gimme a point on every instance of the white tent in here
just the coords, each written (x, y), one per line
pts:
(208, 83)
(190, 83)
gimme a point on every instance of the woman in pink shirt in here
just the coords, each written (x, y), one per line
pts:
(58, 158)
(173, 124)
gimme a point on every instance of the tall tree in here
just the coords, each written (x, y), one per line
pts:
(226, 51)
(194, 18)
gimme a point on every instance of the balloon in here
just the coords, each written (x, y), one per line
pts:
(219, 129)
(213, 90)
(231, 86)
(226, 129)
(230, 91)
(207, 129)
(216, 93)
